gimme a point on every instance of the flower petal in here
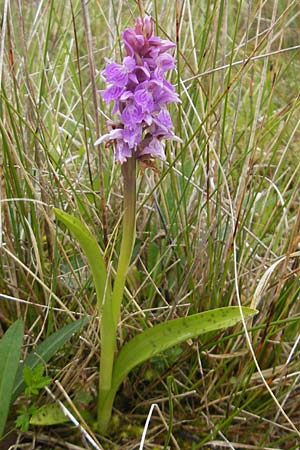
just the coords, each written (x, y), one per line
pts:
(153, 147)
(117, 133)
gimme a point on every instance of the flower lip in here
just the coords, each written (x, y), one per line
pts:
(152, 146)
(144, 99)
(113, 135)
(165, 62)
(132, 135)
(132, 114)
(113, 92)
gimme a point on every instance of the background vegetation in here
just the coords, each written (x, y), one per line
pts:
(217, 226)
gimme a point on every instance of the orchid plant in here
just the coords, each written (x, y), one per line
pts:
(140, 92)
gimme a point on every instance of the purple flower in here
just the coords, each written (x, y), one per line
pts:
(152, 146)
(144, 99)
(164, 93)
(144, 26)
(119, 74)
(116, 74)
(162, 45)
(122, 151)
(121, 147)
(165, 62)
(164, 118)
(132, 114)
(133, 43)
(133, 135)
(113, 92)
(140, 93)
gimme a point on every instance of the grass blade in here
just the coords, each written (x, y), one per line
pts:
(10, 351)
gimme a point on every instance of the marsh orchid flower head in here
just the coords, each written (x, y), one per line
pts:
(140, 93)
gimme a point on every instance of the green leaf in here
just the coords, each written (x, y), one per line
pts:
(92, 252)
(27, 375)
(35, 379)
(46, 350)
(23, 419)
(167, 334)
(50, 414)
(10, 352)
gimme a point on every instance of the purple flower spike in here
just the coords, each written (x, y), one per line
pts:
(140, 93)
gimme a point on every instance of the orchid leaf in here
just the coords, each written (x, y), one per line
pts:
(92, 252)
(159, 338)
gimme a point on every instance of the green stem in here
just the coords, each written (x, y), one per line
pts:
(112, 306)
(128, 235)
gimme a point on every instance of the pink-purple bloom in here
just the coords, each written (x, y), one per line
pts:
(140, 93)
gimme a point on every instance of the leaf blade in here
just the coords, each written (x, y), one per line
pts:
(46, 350)
(10, 352)
(165, 335)
(50, 414)
(92, 252)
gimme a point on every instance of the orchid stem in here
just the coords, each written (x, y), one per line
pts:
(112, 306)
(128, 235)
